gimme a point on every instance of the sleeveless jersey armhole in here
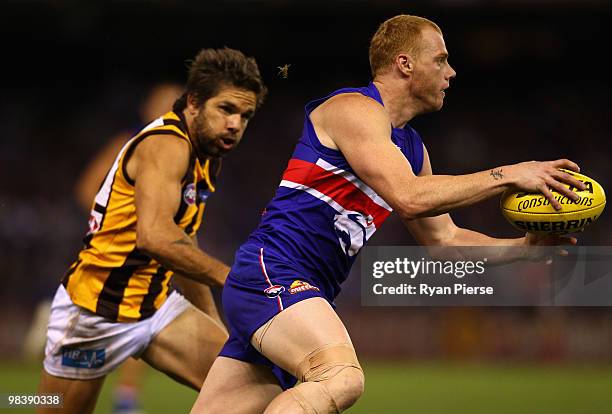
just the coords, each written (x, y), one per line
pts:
(312, 137)
(418, 152)
(132, 146)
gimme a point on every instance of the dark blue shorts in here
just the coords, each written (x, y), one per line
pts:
(258, 287)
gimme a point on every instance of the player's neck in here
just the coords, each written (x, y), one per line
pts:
(397, 100)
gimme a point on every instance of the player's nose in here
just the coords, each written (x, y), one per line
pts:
(232, 122)
(451, 72)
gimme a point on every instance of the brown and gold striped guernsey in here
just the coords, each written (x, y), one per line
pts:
(111, 277)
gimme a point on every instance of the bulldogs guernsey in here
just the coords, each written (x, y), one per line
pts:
(310, 233)
(322, 213)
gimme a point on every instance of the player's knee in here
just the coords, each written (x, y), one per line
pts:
(336, 368)
(346, 387)
(356, 385)
(341, 389)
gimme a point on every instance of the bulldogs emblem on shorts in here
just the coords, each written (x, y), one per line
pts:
(274, 291)
(189, 195)
(353, 230)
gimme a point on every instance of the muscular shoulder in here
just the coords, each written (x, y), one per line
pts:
(350, 117)
(351, 106)
(166, 153)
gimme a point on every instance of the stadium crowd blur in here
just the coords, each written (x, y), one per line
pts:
(532, 83)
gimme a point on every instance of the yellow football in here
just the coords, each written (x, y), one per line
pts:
(532, 212)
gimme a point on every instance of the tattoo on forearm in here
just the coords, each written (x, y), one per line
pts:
(497, 174)
(183, 241)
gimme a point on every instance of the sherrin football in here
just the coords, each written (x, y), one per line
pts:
(532, 212)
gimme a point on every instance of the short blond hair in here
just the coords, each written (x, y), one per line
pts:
(398, 34)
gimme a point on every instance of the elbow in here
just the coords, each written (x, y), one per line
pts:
(409, 213)
(412, 207)
(145, 242)
(409, 209)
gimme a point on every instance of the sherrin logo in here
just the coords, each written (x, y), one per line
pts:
(189, 195)
(533, 213)
(274, 291)
(300, 286)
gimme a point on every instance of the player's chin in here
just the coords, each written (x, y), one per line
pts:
(212, 151)
(441, 98)
(437, 104)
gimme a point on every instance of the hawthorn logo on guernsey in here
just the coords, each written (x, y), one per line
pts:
(189, 195)
(94, 224)
(300, 286)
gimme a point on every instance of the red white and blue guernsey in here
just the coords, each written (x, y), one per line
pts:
(309, 235)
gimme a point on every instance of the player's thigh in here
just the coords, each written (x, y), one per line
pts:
(131, 372)
(186, 348)
(246, 388)
(79, 396)
(298, 331)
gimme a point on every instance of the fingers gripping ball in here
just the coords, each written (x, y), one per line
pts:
(532, 212)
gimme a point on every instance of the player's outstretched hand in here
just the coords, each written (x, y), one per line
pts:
(542, 176)
(554, 242)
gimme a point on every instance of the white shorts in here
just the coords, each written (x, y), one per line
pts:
(83, 345)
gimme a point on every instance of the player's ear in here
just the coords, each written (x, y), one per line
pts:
(405, 63)
(192, 104)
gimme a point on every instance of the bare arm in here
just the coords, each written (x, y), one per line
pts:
(199, 294)
(442, 231)
(360, 128)
(158, 165)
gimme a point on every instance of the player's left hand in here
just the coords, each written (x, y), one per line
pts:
(554, 241)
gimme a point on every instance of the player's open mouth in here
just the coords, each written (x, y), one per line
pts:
(226, 143)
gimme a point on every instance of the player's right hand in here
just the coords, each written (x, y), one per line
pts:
(547, 246)
(542, 176)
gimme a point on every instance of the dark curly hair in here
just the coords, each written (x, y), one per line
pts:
(213, 69)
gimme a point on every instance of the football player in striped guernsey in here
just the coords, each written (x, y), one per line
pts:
(115, 301)
(358, 160)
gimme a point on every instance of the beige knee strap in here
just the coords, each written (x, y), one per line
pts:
(313, 398)
(319, 364)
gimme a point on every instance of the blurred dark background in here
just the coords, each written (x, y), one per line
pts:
(532, 83)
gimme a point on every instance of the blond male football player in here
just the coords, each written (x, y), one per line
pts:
(115, 300)
(357, 160)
